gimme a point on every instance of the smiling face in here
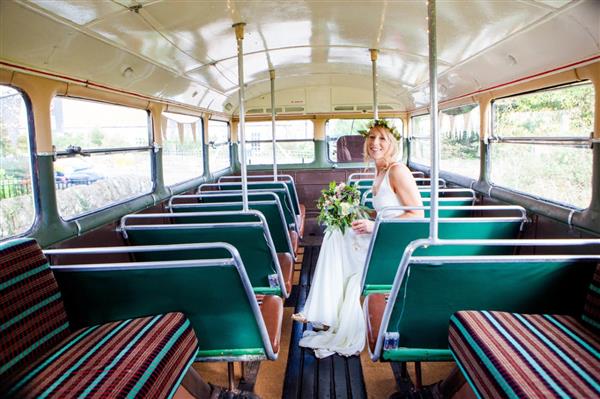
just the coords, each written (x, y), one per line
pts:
(381, 146)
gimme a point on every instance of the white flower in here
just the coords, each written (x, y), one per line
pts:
(346, 209)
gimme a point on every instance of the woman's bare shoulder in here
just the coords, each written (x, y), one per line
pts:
(399, 171)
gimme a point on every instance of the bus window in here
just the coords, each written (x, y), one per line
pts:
(459, 133)
(540, 144)
(341, 146)
(420, 142)
(17, 210)
(219, 141)
(182, 148)
(103, 154)
(295, 142)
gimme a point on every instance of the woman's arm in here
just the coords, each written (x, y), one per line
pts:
(404, 186)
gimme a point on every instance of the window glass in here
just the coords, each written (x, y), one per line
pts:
(349, 149)
(420, 140)
(17, 210)
(545, 165)
(459, 133)
(182, 148)
(219, 141)
(115, 159)
(295, 142)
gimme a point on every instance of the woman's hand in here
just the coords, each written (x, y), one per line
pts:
(363, 226)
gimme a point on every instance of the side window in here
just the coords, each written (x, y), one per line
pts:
(295, 142)
(17, 210)
(219, 140)
(344, 143)
(104, 154)
(540, 143)
(420, 140)
(182, 148)
(459, 134)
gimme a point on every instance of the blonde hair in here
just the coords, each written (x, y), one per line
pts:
(391, 155)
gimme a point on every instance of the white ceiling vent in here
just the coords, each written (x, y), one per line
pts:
(294, 109)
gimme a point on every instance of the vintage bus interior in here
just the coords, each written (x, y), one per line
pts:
(160, 163)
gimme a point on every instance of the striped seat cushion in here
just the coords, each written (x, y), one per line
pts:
(32, 314)
(145, 358)
(591, 310)
(508, 355)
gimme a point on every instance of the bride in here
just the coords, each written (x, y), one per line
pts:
(333, 303)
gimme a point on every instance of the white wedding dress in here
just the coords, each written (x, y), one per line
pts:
(334, 297)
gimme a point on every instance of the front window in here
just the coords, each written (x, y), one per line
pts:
(540, 143)
(294, 142)
(459, 133)
(17, 210)
(104, 155)
(344, 142)
(219, 141)
(182, 148)
(420, 140)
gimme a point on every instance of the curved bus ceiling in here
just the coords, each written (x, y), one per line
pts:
(185, 51)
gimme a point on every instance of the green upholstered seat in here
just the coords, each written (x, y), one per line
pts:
(431, 288)
(255, 195)
(392, 235)
(207, 282)
(271, 210)
(248, 232)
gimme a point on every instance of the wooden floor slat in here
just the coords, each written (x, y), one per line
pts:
(309, 377)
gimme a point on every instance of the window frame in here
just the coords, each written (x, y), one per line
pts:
(564, 142)
(214, 145)
(33, 164)
(251, 142)
(151, 148)
(200, 121)
(412, 137)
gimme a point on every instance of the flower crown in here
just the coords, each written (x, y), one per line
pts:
(380, 123)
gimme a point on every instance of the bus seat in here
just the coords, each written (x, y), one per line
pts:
(212, 290)
(566, 348)
(392, 235)
(251, 238)
(256, 195)
(43, 352)
(271, 209)
(417, 324)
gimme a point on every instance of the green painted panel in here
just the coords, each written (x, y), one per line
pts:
(266, 185)
(430, 294)
(418, 355)
(249, 241)
(212, 298)
(393, 237)
(277, 226)
(288, 213)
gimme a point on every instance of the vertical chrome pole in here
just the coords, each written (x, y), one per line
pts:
(239, 35)
(433, 96)
(374, 54)
(272, 75)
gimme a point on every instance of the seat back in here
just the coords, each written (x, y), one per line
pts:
(287, 179)
(391, 237)
(591, 310)
(271, 210)
(251, 238)
(287, 186)
(254, 195)
(507, 283)
(208, 283)
(431, 288)
(32, 313)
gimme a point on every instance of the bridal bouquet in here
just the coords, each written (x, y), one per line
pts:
(340, 206)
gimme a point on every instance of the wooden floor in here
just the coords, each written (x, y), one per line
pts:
(309, 377)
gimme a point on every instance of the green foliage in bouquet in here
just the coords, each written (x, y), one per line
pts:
(340, 206)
